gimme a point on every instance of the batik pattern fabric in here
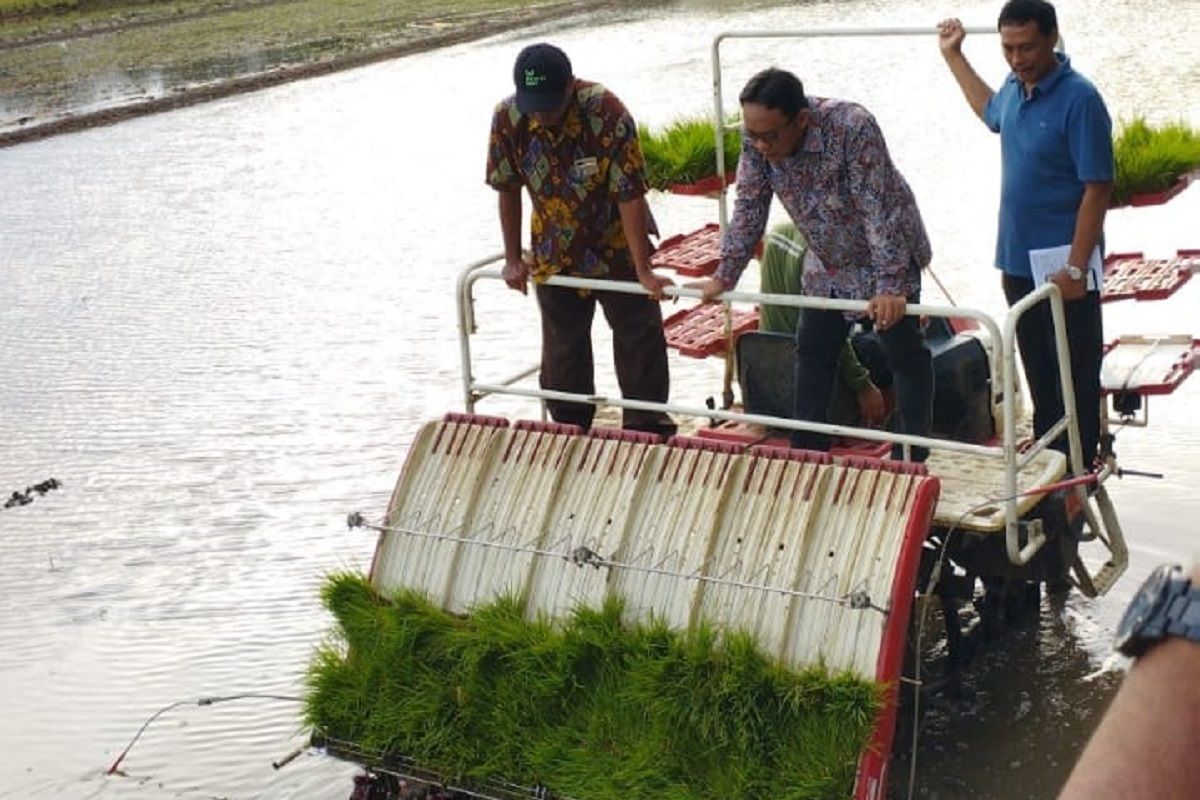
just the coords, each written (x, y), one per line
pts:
(847, 198)
(577, 174)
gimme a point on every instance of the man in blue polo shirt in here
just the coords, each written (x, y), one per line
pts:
(1057, 172)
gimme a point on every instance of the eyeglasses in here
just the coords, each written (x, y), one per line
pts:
(767, 137)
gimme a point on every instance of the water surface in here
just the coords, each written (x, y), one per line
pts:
(220, 327)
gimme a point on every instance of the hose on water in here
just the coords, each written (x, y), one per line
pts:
(203, 701)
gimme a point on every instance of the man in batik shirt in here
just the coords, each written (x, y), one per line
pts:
(827, 162)
(572, 144)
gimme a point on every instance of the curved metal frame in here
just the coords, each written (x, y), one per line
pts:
(1018, 554)
(820, 33)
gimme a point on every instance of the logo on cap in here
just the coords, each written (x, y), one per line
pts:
(542, 76)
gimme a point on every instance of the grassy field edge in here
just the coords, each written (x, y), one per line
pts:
(458, 28)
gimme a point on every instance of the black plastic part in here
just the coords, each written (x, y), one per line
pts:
(962, 380)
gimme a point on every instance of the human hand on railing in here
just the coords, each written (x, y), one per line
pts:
(871, 405)
(654, 283)
(1070, 288)
(710, 288)
(516, 274)
(885, 310)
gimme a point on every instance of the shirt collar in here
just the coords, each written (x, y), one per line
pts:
(1047, 83)
(814, 138)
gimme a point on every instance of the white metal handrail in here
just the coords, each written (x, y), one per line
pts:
(1017, 554)
(1003, 376)
(1005, 338)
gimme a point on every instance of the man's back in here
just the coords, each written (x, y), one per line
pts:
(577, 172)
(850, 201)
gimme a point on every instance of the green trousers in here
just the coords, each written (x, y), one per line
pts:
(782, 264)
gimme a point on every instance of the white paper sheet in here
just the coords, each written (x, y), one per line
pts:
(1047, 261)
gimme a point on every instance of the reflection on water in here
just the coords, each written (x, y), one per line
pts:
(1024, 711)
(222, 326)
(42, 80)
(119, 87)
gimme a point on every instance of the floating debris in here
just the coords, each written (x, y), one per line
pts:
(26, 497)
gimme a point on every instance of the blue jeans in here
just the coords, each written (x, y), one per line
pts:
(820, 335)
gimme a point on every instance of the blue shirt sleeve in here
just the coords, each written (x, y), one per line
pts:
(1089, 137)
(991, 111)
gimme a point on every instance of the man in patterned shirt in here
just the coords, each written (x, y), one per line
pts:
(572, 144)
(827, 162)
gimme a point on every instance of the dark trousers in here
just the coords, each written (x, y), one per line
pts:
(819, 338)
(1085, 338)
(639, 353)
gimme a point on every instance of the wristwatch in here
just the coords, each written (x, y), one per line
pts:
(1167, 604)
(1074, 272)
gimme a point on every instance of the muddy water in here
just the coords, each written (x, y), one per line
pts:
(222, 326)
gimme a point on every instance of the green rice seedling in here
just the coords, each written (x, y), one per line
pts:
(593, 706)
(1152, 158)
(685, 152)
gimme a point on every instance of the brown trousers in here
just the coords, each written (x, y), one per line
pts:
(639, 353)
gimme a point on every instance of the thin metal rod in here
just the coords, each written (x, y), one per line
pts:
(795, 300)
(583, 557)
(466, 322)
(753, 419)
(475, 389)
(818, 33)
(1047, 292)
